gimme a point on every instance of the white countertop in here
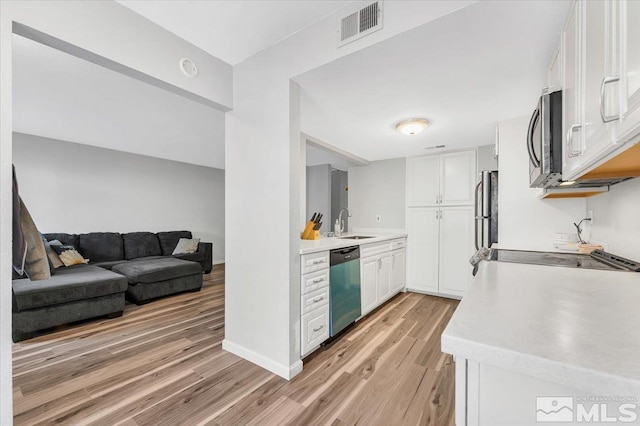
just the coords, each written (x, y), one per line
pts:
(326, 243)
(576, 327)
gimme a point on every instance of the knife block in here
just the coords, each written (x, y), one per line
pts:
(309, 233)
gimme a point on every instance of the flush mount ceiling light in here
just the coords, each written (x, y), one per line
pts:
(412, 126)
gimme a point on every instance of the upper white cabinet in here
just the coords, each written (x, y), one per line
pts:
(423, 181)
(601, 99)
(447, 179)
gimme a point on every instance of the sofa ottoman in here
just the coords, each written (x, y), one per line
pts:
(157, 277)
(75, 293)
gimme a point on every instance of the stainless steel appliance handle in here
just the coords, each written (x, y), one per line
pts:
(570, 152)
(475, 228)
(532, 125)
(607, 118)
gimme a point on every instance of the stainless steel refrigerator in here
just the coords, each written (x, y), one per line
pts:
(486, 213)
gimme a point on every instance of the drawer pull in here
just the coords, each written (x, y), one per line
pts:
(317, 262)
(315, 330)
(319, 280)
(318, 299)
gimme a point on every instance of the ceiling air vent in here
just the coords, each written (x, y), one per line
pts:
(360, 23)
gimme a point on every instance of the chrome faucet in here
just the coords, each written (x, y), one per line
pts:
(339, 226)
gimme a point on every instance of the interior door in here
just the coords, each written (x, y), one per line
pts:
(384, 277)
(456, 247)
(457, 178)
(423, 181)
(422, 249)
(368, 283)
(398, 269)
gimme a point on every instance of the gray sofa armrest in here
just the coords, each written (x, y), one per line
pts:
(207, 249)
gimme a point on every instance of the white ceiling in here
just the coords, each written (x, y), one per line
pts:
(464, 72)
(59, 96)
(233, 30)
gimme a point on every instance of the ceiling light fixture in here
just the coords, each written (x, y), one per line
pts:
(412, 126)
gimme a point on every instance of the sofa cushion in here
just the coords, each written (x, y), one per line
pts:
(78, 282)
(194, 257)
(169, 240)
(108, 264)
(140, 244)
(66, 239)
(156, 270)
(101, 246)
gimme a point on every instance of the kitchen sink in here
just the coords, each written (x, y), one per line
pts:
(354, 237)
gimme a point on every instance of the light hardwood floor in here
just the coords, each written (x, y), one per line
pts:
(162, 364)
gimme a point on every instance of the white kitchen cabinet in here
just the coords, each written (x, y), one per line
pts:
(457, 178)
(314, 300)
(384, 277)
(382, 270)
(423, 181)
(439, 247)
(554, 73)
(456, 248)
(601, 100)
(398, 270)
(446, 179)
(571, 106)
(629, 126)
(368, 283)
(423, 227)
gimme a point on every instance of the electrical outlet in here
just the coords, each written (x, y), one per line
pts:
(378, 218)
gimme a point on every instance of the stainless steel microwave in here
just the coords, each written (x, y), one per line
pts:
(544, 142)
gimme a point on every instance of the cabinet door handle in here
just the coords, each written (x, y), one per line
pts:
(573, 129)
(437, 199)
(319, 280)
(318, 329)
(318, 299)
(317, 262)
(605, 81)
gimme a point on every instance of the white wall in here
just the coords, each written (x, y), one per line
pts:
(378, 189)
(60, 96)
(319, 194)
(616, 223)
(75, 188)
(526, 222)
(486, 158)
(113, 36)
(263, 174)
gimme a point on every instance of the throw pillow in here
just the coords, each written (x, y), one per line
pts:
(36, 264)
(186, 245)
(60, 248)
(54, 259)
(72, 257)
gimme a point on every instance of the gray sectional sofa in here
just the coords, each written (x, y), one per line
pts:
(139, 266)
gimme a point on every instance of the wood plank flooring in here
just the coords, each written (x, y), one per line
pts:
(162, 364)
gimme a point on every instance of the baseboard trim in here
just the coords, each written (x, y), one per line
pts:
(432, 293)
(217, 262)
(284, 371)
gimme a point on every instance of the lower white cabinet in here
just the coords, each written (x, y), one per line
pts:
(381, 277)
(314, 301)
(398, 270)
(315, 329)
(439, 247)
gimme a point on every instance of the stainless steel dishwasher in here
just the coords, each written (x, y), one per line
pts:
(344, 285)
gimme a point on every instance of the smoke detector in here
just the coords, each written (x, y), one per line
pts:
(188, 67)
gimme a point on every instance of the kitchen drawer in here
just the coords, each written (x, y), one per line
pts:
(315, 329)
(315, 300)
(314, 280)
(398, 244)
(374, 249)
(314, 262)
